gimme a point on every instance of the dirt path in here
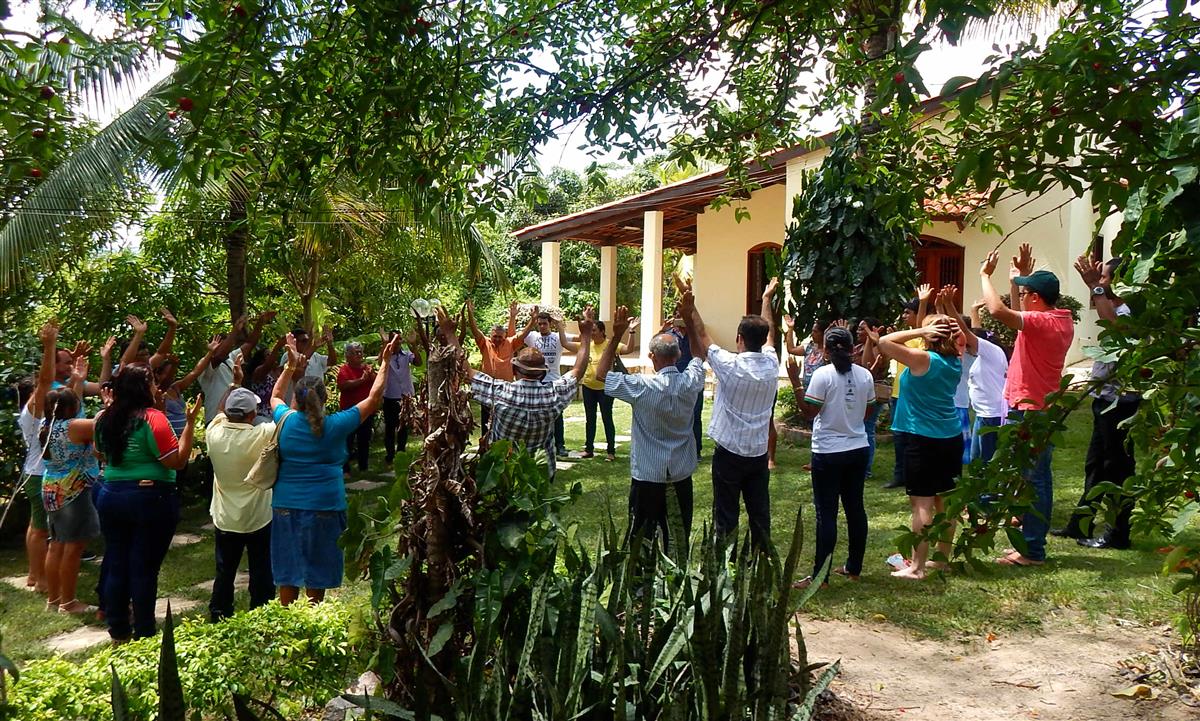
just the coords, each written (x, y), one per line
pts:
(1064, 674)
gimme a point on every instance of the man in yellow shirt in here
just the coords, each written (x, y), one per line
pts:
(241, 513)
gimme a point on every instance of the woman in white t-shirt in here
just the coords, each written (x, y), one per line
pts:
(837, 399)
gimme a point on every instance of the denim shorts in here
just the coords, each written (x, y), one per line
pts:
(77, 521)
(304, 548)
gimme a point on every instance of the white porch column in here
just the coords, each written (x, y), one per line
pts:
(652, 270)
(608, 283)
(550, 274)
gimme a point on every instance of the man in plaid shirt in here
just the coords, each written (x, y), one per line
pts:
(524, 410)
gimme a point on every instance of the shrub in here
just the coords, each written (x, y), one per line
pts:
(294, 658)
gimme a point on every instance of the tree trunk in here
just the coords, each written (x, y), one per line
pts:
(235, 251)
(884, 20)
(308, 295)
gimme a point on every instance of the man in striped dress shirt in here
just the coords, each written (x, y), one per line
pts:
(524, 410)
(747, 382)
(663, 451)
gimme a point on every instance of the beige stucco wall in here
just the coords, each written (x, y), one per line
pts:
(719, 271)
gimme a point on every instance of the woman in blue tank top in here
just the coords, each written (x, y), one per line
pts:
(932, 455)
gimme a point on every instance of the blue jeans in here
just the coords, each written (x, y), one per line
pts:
(138, 523)
(1036, 523)
(983, 445)
(869, 424)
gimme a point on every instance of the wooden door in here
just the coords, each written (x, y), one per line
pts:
(940, 263)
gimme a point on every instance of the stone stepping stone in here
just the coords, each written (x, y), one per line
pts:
(623, 439)
(208, 527)
(573, 419)
(241, 582)
(88, 636)
(388, 474)
(563, 466)
(365, 485)
(18, 582)
(185, 539)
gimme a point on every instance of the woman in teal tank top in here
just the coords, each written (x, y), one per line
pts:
(932, 455)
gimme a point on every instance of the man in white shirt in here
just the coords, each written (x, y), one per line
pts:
(549, 342)
(663, 452)
(747, 383)
(241, 513)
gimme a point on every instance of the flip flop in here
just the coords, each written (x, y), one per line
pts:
(1016, 559)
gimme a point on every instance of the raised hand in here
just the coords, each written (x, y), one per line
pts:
(106, 395)
(947, 295)
(840, 323)
(138, 325)
(292, 352)
(238, 373)
(1091, 271)
(925, 292)
(1023, 260)
(873, 333)
(989, 263)
(267, 316)
(107, 349)
(327, 334)
(448, 326)
(193, 408)
(621, 322)
(587, 323)
(82, 348)
(214, 343)
(634, 322)
(788, 323)
(769, 290)
(79, 370)
(978, 303)
(168, 317)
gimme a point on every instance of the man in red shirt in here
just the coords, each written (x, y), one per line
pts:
(354, 381)
(1044, 334)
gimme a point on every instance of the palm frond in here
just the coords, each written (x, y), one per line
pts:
(78, 192)
(1016, 19)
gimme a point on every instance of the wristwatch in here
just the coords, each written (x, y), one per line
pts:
(1098, 290)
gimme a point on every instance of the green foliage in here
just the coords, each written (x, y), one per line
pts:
(1007, 336)
(299, 655)
(848, 253)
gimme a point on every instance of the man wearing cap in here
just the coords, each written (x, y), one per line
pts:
(663, 452)
(524, 410)
(240, 512)
(1044, 334)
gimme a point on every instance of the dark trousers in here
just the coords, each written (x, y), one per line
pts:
(138, 523)
(648, 509)
(229, 548)
(358, 444)
(735, 476)
(1109, 460)
(593, 399)
(393, 426)
(485, 417)
(899, 439)
(696, 429)
(834, 476)
(560, 441)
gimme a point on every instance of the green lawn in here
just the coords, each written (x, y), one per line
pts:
(1077, 583)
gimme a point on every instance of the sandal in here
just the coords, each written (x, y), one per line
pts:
(806, 582)
(587, 454)
(1016, 559)
(76, 607)
(841, 571)
(610, 457)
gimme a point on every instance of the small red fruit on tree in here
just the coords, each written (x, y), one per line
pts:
(629, 42)
(1097, 66)
(898, 78)
(1189, 494)
(35, 172)
(239, 11)
(39, 133)
(172, 114)
(47, 92)
(1055, 111)
(1146, 373)
(186, 104)
(1024, 434)
(329, 90)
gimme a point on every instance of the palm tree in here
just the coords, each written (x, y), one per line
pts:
(145, 141)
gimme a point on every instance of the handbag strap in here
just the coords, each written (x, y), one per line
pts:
(279, 428)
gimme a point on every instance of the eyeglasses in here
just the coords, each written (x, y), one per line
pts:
(1022, 293)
